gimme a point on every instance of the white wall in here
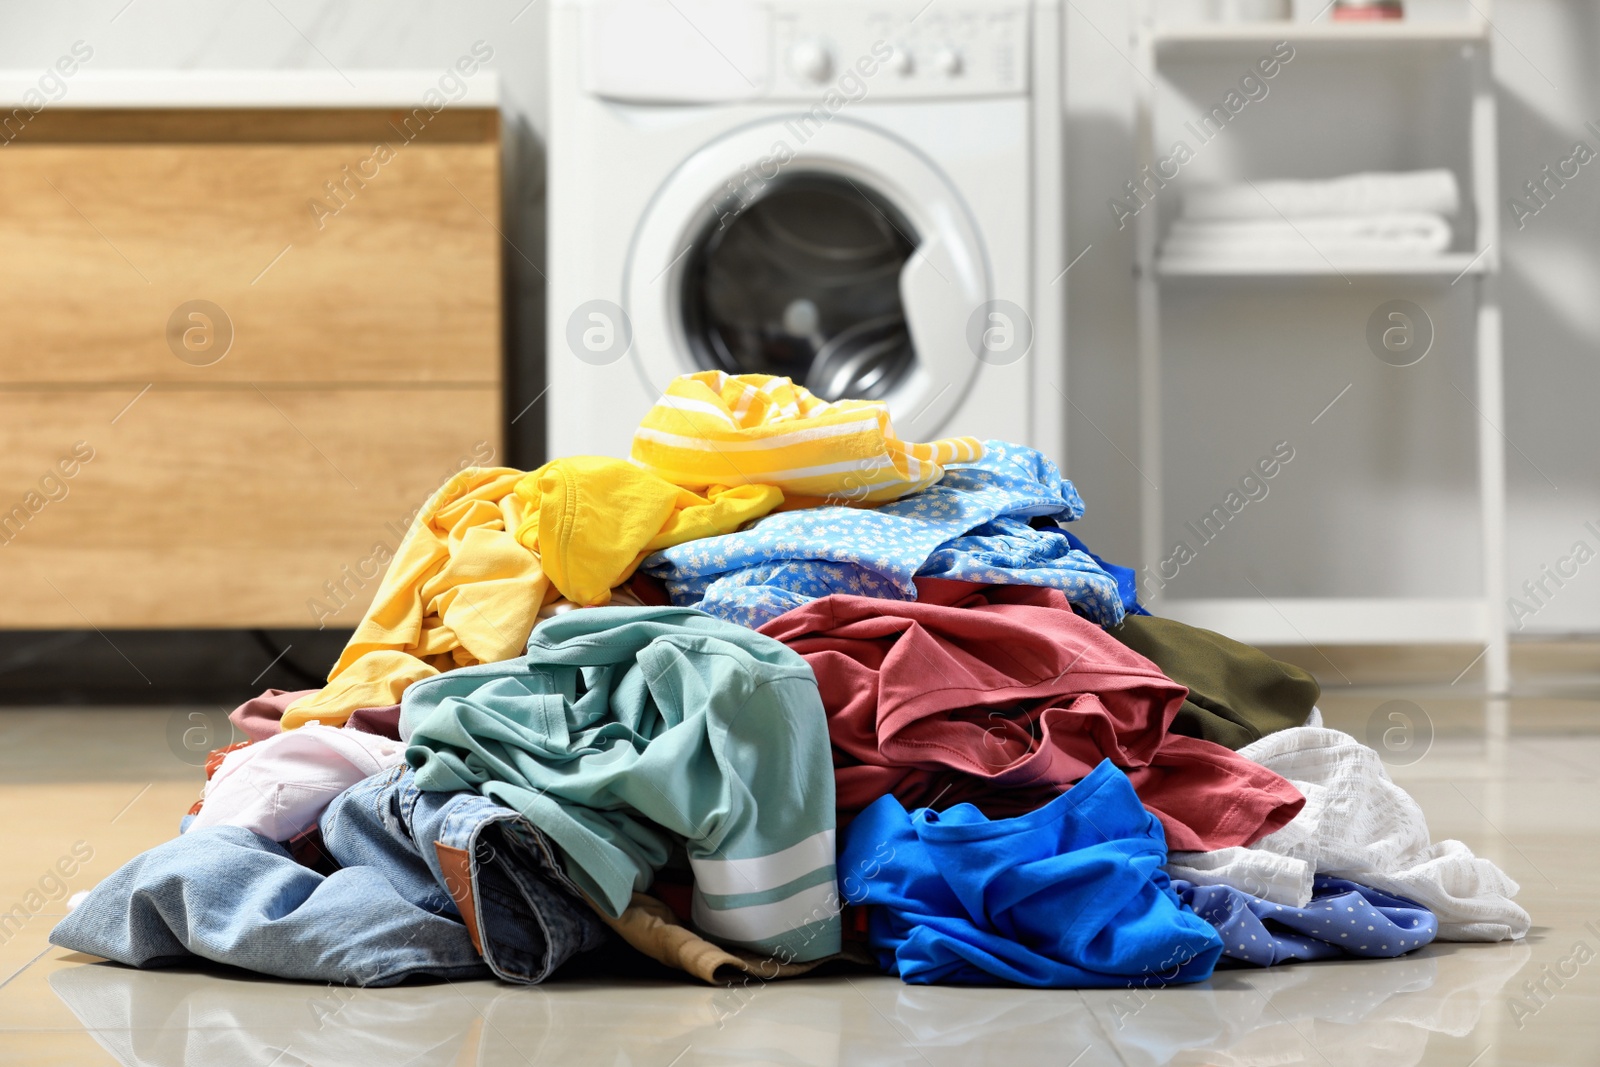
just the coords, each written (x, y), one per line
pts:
(1380, 494)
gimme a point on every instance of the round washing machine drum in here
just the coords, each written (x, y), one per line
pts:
(851, 267)
(805, 283)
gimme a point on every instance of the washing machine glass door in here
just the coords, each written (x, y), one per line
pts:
(851, 266)
(805, 283)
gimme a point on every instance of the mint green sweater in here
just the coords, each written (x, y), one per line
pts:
(626, 729)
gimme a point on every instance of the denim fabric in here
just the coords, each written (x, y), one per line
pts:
(528, 920)
(228, 895)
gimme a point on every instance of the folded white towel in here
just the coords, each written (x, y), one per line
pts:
(1377, 193)
(1411, 226)
(1364, 237)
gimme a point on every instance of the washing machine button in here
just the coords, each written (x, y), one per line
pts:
(902, 62)
(948, 61)
(811, 61)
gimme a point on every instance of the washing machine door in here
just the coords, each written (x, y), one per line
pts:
(834, 254)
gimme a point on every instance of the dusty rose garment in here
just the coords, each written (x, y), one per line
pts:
(1002, 697)
(261, 717)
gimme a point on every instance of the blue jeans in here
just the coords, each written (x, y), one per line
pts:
(426, 880)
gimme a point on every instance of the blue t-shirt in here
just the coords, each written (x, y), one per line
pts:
(1070, 895)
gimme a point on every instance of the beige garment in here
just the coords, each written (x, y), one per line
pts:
(651, 927)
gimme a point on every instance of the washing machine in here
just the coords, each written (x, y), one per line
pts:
(865, 197)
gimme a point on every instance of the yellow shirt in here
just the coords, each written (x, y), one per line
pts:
(593, 519)
(491, 547)
(716, 429)
(459, 591)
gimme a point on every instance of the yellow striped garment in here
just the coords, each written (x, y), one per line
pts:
(713, 428)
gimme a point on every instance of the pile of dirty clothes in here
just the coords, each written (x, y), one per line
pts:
(785, 694)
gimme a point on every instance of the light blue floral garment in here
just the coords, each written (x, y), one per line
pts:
(972, 526)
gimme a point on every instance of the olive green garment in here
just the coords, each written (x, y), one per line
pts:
(1237, 694)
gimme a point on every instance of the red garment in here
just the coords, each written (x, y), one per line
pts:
(1001, 696)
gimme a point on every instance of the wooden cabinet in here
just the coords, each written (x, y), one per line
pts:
(276, 332)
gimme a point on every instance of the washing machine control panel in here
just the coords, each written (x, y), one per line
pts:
(922, 51)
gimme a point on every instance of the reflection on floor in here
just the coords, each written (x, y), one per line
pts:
(1514, 779)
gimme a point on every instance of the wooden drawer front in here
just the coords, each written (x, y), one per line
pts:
(104, 241)
(219, 507)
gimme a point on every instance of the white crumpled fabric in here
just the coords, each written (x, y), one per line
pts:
(1359, 825)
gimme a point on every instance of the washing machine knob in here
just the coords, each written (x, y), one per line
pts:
(947, 61)
(811, 60)
(902, 62)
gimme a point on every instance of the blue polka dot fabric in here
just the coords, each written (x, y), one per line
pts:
(972, 526)
(1343, 919)
(1127, 578)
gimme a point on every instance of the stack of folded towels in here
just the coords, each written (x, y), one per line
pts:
(1360, 218)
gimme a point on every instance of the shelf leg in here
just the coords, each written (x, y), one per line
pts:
(1491, 390)
(1492, 491)
(1148, 298)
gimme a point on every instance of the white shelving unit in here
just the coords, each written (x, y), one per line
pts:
(1448, 264)
(1256, 618)
(1236, 36)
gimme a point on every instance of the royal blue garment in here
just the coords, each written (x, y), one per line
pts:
(971, 526)
(1069, 895)
(1342, 919)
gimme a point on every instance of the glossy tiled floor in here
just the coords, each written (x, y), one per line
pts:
(1515, 780)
